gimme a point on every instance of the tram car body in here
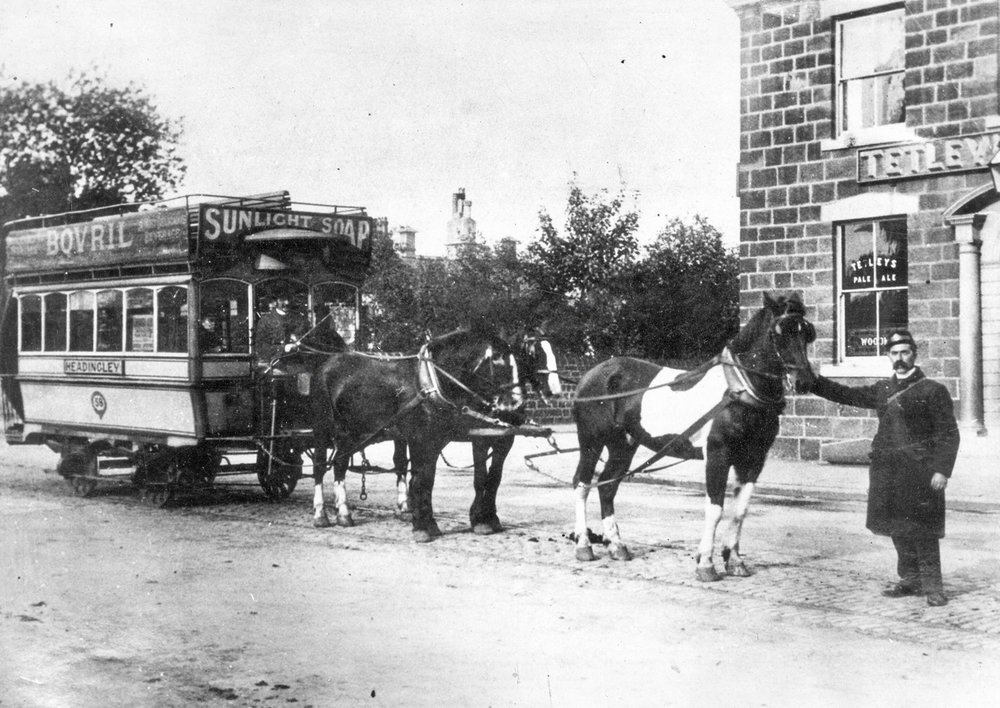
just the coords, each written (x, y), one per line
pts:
(127, 337)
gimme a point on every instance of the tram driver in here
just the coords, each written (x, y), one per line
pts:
(278, 333)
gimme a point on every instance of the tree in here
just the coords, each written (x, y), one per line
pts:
(403, 302)
(689, 288)
(582, 276)
(391, 322)
(86, 146)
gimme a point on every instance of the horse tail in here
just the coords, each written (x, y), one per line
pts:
(614, 385)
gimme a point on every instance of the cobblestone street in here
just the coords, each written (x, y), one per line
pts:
(813, 605)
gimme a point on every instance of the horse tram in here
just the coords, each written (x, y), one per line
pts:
(128, 340)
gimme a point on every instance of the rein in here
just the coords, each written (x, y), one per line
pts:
(726, 359)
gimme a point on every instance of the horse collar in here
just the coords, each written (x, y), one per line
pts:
(740, 386)
(427, 376)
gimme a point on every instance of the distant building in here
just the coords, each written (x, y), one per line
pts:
(462, 230)
(404, 238)
(460, 233)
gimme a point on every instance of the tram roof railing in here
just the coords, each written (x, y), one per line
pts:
(267, 200)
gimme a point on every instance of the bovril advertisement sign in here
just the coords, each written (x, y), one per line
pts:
(227, 224)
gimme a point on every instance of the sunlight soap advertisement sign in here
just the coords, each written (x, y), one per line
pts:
(143, 237)
(225, 226)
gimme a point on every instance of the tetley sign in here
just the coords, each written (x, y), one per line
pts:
(933, 157)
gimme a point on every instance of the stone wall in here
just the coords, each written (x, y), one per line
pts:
(791, 165)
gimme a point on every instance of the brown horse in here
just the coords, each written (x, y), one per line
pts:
(623, 403)
(426, 401)
(538, 372)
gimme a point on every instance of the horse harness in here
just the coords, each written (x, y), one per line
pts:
(739, 388)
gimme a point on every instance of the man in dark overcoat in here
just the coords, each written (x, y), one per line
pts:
(913, 455)
(277, 332)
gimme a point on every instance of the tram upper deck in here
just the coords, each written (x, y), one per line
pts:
(137, 322)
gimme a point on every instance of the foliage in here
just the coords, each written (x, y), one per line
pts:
(437, 295)
(91, 145)
(689, 285)
(582, 276)
(590, 288)
(390, 323)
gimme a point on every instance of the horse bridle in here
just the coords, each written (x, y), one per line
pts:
(775, 330)
(430, 386)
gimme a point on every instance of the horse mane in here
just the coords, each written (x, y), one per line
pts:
(477, 330)
(763, 318)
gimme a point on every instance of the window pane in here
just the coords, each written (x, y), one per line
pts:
(55, 322)
(858, 266)
(892, 314)
(871, 71)
(891, 104)
(296, 291)
(81, 322)
(891, 263)
(336, 304)
(872, 44)
(860, 325)
(172, 320)
(139, 320)
(877, 100)
(227, 304)
(31, 323)
(873, 284)
(109, 321)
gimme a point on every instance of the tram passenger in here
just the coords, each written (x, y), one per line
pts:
(208, 336)
(277, 333)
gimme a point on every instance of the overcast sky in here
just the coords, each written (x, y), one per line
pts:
(394, 105)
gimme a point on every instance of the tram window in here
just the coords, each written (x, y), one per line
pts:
(227, 302)
(296, 291)
(31, 323)
(340, 301)
(139, 320)
(81, 321)
(55, 322)
(109, 321)
(172, 319)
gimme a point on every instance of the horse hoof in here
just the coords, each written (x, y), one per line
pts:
(404, 514)
(322, 522)
(483, 529)
(422, 536)
(433, 530)
(708, 574)
(620, 553)
(738, 570)
(347, 520)
(585, 553)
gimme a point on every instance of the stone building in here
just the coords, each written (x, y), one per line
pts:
(462, 229)
(868, 129)
(404, 239)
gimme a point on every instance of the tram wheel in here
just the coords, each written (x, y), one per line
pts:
(82, 486)
(79, 467)
(198, 468)
(157, 495)
(286, 469)
(157, 481)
